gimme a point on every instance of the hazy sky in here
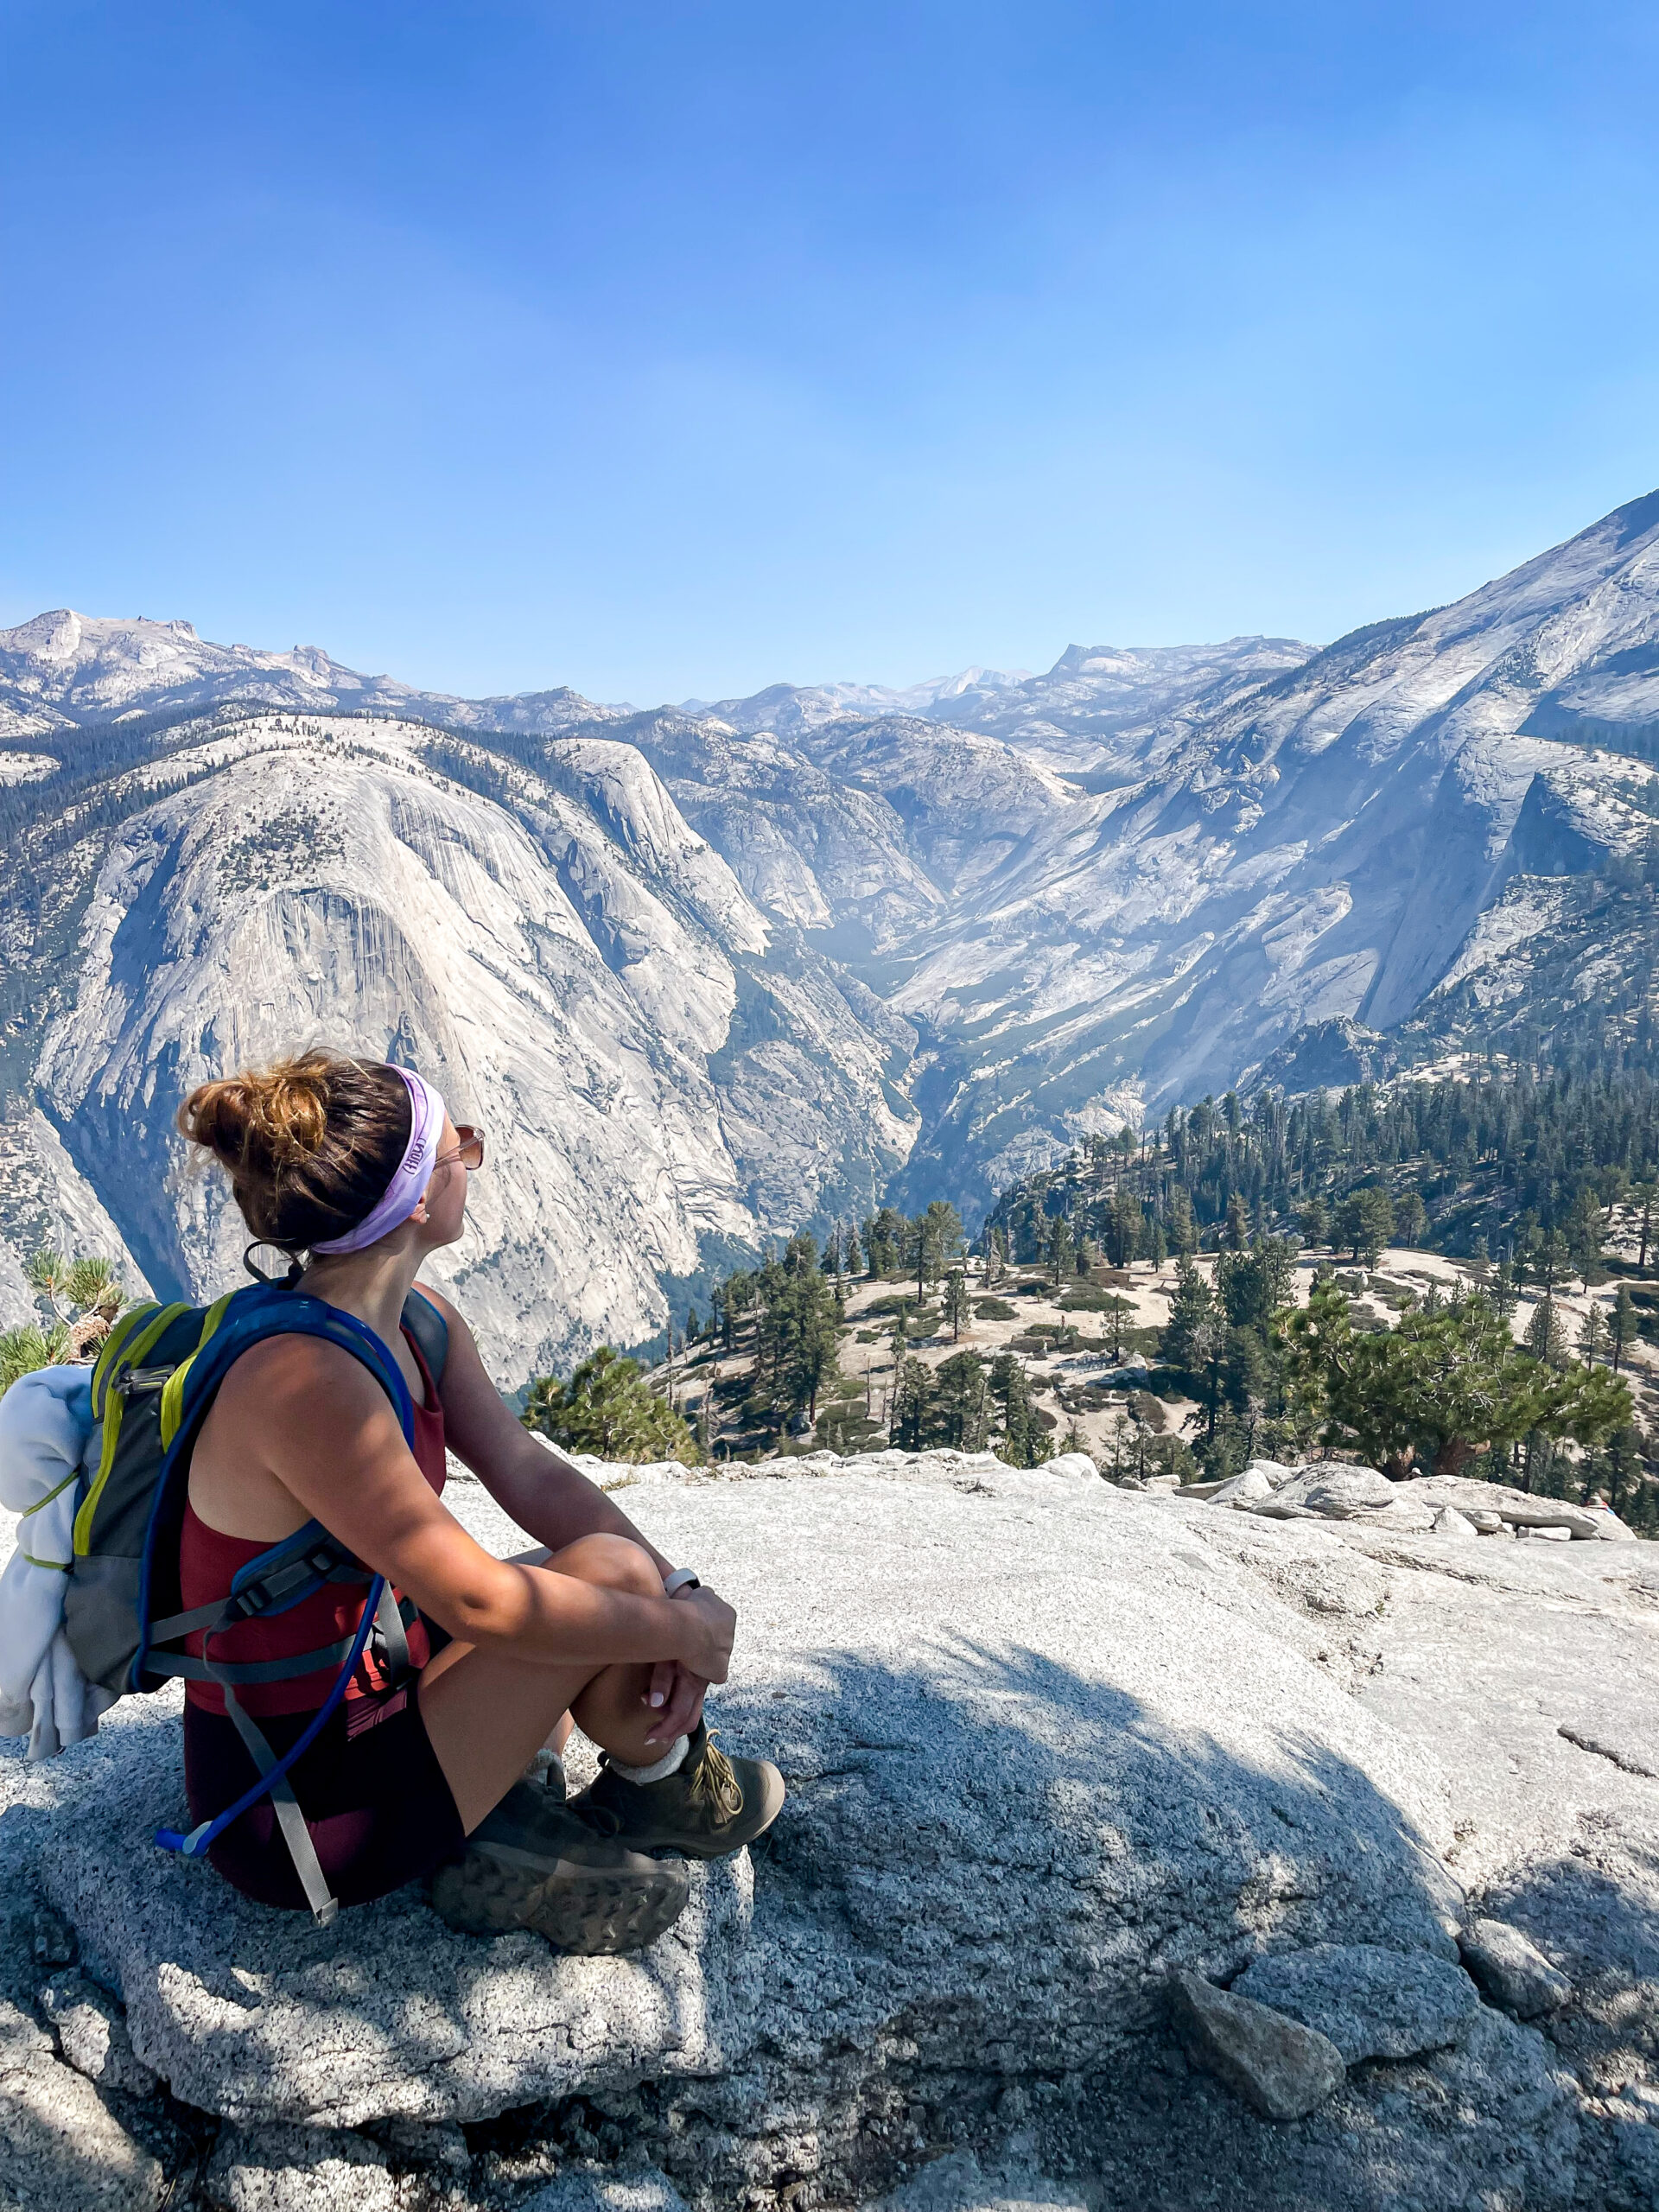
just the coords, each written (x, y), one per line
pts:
(664, 349)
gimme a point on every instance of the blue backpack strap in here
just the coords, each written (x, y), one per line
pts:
(279, 1578)
(430, 1331)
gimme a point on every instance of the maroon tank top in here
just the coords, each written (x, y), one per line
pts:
(209, 1561)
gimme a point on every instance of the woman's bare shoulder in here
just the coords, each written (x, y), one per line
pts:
(276, 1368)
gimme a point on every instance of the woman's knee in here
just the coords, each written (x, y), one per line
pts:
(615, 1562)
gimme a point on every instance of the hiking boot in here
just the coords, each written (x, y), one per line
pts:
(530, 1864)
(709, 1806)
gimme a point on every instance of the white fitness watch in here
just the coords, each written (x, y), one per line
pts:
(683, 1578)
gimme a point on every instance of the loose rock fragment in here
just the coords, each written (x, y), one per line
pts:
(1370, 2002)
(91, 2032)
(1511, 1970)
(1279, 2067)
(55, 1939)
(283, 2169)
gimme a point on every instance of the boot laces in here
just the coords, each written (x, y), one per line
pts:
(715, 1784)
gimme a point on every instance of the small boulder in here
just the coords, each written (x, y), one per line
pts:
(1277, 2065)
(1511, 1970)
(1244, 1488)
(1370, 2002)
(1076, 1464)
(91, 2032)
(1276, 1473)
(1335, 1491)
(292, 2169)
(1448, 1522)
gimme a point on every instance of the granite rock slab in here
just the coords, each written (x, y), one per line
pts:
(1007, 1707)
(1371, 2003)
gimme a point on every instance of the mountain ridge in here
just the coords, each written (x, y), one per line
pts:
(798, 954)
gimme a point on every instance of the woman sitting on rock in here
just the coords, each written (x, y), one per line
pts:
(358, 1167)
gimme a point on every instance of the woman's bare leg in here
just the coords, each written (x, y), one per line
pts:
(487, 1714)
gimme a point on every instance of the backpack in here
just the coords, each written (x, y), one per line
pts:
(155, 1378)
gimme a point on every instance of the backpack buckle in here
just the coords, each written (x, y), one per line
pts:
(141, 1382)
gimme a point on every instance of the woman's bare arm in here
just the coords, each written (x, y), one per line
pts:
(311, 1416)
(549, 1499)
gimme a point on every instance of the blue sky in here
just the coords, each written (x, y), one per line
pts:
(668, 349)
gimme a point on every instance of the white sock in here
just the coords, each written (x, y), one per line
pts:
(547, 1768)
(670, 1763)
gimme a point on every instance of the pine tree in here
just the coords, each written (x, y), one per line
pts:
(899, 1335)
(84, 1296)
(1585, 1231)
(1183, 1228)
(1621, 1325)
(963, 1407)
(1058, 1247)
(1546, 1332)
(609, 1409)
(1115, 1313)
(956, 1302)
(1410, 1219)
(1025, 1440)
(1593, 1336)
(1364, 1223)
(1125, 1227)
(1195, 1335)
(912, 1405)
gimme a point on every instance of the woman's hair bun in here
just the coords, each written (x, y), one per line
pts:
(310, 1143)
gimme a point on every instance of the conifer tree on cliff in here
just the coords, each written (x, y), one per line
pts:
(1439, 1387)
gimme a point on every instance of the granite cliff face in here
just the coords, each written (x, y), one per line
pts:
(792, 949)
(579, 970)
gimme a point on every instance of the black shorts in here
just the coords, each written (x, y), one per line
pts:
(372, 1793)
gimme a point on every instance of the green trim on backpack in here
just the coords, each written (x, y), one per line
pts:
(122, 1329)
(113, 1411)
(173, 1395)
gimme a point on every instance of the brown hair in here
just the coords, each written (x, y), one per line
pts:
(310, 1143)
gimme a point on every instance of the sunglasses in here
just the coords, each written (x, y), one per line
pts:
(469, 1152)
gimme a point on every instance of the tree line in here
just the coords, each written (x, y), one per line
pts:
(1464, 1166)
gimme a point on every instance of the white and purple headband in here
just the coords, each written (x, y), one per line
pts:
(414, 1171)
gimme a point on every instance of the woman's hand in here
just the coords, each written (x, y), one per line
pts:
(706, 1634)
(678, 1694)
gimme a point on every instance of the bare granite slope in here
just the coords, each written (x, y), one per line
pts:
(1047, 1743)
